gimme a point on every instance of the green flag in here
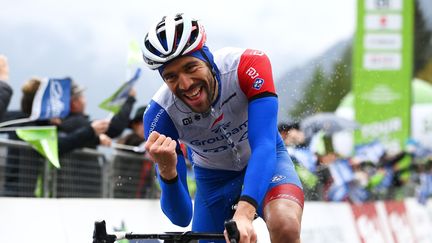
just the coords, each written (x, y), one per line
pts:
(308, 178)
(44, 140)
(116, 100)
(134, 55)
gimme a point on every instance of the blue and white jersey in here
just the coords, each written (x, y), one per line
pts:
(219, 140)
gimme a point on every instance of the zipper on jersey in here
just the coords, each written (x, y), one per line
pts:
(234, 148)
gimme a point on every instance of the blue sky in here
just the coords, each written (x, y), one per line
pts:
(95, 35)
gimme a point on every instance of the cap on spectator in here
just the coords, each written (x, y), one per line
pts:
(139, 113)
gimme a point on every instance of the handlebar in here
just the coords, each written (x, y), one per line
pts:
(100, 235)
(233, 233)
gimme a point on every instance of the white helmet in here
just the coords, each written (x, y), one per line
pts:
(173, 36)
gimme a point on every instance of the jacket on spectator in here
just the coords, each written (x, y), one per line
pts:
(5, 96)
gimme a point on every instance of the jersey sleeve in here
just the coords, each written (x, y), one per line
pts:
(255, 75)
(262, 133)
(175, 199)
(256, 81)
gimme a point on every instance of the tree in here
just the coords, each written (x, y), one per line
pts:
(325, 93)
(422, 41)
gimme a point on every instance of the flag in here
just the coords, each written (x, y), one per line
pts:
(370, 152)
(424, 191)
(115, 101)
(134, 55)
(308, 178)
(342, 175)
(52, 99)
(43, 139)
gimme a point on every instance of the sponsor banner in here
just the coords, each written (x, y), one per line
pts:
(383, 22)
(392, 5)
(382, 61)
(389, 41)
(397, 221)
(382, 71)
(328, 223)
(420, 220)
(370, 227)
(72, 220)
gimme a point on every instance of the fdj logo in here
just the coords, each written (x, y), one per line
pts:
(258, 83)
(187, 121)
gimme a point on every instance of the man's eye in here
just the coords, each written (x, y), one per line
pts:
(169, 78)
(191, 68)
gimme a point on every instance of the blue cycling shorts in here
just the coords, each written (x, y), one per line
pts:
(219, 190)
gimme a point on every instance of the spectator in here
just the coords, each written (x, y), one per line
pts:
(136, 137)
(5, 89)
(78, 118)
(292, 135)
(21, 172)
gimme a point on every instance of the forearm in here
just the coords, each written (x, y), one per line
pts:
(121, 120)
(74, 140)
(262, 139)
(175, 200)
(6, 94)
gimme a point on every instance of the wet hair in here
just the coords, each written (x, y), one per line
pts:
(285, 127)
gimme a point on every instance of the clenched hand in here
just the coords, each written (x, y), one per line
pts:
(163, 151)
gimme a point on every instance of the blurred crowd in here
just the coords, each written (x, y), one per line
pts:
(371, 172)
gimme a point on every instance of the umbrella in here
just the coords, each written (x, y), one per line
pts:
(326, 122)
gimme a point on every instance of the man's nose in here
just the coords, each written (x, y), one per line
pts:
(185, 82)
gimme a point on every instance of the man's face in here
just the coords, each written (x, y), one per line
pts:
(78, 104)
(191, 80)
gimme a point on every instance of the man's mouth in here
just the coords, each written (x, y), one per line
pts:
(194, 93)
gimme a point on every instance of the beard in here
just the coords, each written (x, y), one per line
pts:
(204, 89)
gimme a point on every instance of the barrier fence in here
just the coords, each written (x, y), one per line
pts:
(85, 173)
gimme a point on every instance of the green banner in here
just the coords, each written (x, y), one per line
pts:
(382, 71)
(43, 140)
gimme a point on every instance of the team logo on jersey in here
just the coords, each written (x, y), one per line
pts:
(197, 117)
(277, 178)
(252, 72)
(257, 53)
(258, 83)
(187, 121)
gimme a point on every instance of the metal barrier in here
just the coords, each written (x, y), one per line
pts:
(85, 173)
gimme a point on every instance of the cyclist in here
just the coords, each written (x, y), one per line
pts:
(224, 108)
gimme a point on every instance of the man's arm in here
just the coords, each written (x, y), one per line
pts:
(256, 81)
(262, 132)
(161, 145)
(5, 89)
(121, 120)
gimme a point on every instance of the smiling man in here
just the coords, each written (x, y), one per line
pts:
(224, 108)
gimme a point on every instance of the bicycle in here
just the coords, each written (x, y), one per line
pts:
(100, 235)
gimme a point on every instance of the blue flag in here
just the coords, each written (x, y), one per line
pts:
(116, 101)
(370, 152)
(52, 100)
